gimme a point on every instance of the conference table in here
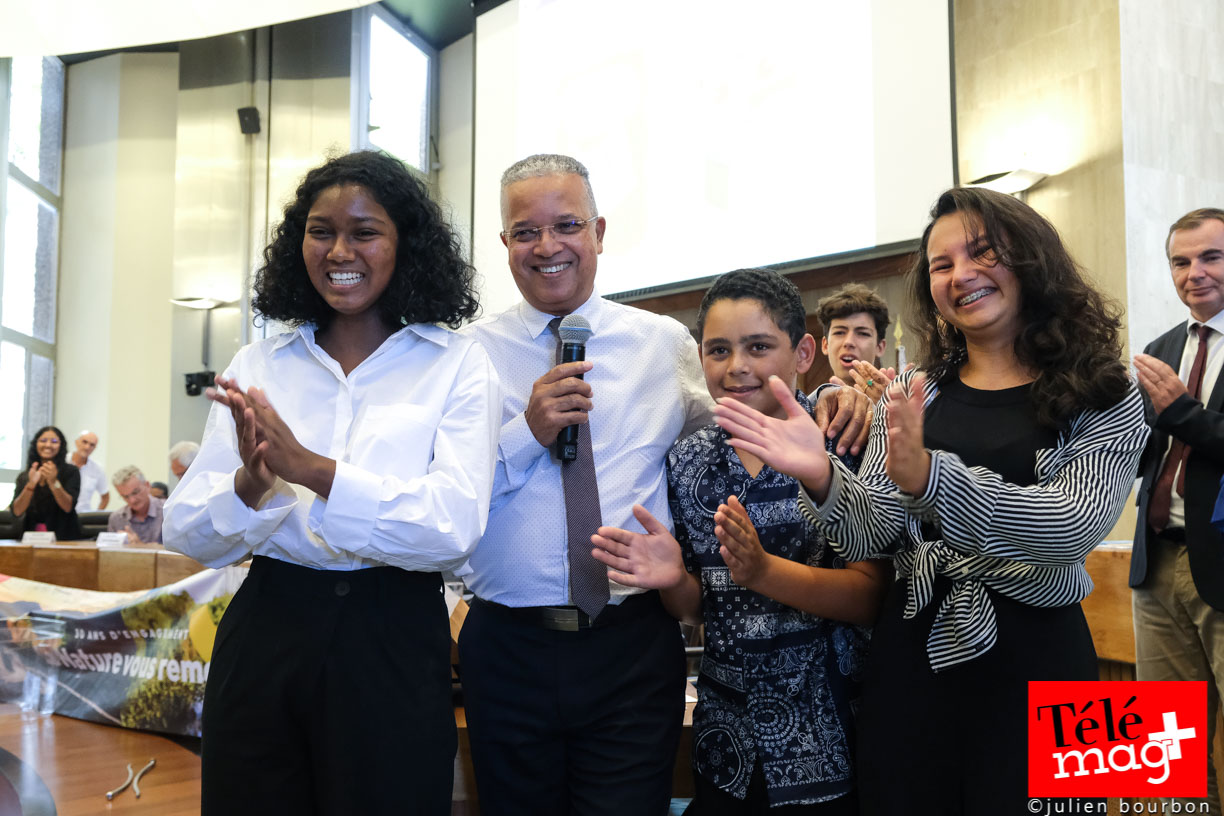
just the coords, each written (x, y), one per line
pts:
(57, 765)
(85, 565)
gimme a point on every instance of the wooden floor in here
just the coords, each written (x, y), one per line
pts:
(78, 762)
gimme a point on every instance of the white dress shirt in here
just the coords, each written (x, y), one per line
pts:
(413, 430)
(93, 480)
(1211, 373)
(648, 391)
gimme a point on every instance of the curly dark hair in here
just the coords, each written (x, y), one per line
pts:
(1070, 335)
(432, 282)
(60, 459)
(778, 296)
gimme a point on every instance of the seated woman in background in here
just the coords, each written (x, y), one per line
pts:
(45, 495)
(353, 457)
(990, 475)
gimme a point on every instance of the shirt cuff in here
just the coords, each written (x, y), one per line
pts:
(231, 517)
(351, 508)
(518, 447)
(824, 511)
(814, 397)
(923, 507)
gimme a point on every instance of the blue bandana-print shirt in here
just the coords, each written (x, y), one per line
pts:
(777, 685)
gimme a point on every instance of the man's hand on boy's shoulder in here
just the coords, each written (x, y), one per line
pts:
(843, 414)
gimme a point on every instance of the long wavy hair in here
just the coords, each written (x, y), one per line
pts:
(60, 459)
(1070, 330)
(432, 282)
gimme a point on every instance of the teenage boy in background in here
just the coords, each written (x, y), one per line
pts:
(855, 323)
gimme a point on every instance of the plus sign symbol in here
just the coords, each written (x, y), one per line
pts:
(1171, 735)
(1117, 739)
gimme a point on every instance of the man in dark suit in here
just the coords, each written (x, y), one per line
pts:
(1177, 565)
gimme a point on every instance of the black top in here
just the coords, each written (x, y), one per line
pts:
(44, 510)
(996, 430)
(1025, 539)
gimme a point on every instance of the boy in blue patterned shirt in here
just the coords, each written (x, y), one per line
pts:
(773, 726)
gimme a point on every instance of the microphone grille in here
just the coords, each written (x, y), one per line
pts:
(574, 329)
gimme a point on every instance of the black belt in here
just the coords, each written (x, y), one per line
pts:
(1175, 535)
(573, 619)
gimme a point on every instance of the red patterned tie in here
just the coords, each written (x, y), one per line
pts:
(1174, 464)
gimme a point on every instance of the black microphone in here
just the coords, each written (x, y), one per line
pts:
(574, 332)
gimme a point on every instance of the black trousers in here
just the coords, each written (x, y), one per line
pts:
(329, 693)
(956, 743)
(583, 722)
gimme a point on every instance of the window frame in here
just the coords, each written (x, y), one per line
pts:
(31, 345)
(360, 72)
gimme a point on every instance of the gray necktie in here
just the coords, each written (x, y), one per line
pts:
(588, 577)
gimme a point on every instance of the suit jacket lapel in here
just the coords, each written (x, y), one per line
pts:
(1167, 348)
(1215, 400)
(1171, 350)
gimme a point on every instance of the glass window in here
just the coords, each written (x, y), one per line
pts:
(30, 231)
(29, 224)
(36, 118)
(40, 392)
(12, 407)
(29, 396)
(399, 94)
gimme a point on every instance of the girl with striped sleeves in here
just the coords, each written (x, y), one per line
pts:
(992, 471)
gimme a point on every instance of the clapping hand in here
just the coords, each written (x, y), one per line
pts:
(267, 446)
(794, 446)
(741, 548)
(908, 463)
(1159, 380)
(35, 475)
(255, 477)
(870, 380)
(650, 560)
(49, 472)
(283, 453)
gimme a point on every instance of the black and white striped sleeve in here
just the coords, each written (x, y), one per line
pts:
(862, 515)
(1081, 487)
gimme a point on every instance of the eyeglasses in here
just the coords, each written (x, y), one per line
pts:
(529, 235)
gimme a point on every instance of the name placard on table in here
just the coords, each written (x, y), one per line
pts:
(112, 539)
(31, 537)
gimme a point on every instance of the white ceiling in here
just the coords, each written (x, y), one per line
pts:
(44, 27)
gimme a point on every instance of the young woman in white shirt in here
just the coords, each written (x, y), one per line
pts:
(352, 457)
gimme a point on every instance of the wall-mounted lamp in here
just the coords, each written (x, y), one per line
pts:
(1012, 182)
(198, 302)
(197, 381)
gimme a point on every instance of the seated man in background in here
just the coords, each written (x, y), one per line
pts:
(854, 320)
(159, 490)
(93, 475)
(181, 457)
(141, 519)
